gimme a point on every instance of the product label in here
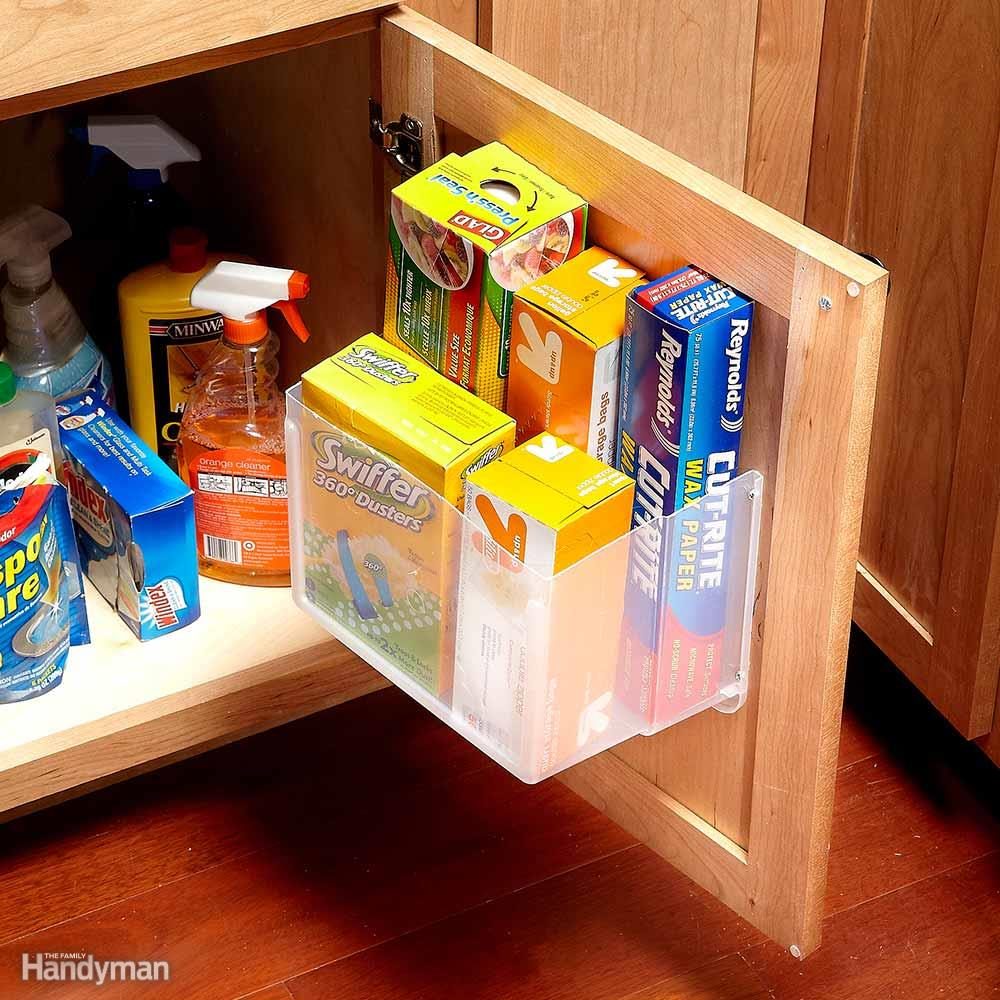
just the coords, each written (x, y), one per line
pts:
(683, 372)
(241, 509)
(28, 462)
(39, 613)
(178, 349)
(162, 604)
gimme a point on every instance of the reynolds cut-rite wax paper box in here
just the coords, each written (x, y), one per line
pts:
(684, 364)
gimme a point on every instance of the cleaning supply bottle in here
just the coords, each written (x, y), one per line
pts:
(29, 435)
(151, 207)
(232, 443)
(166, 339)
(47, 345)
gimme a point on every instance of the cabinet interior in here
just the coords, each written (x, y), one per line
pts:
(289, 176)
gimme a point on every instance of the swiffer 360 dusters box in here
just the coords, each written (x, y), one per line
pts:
(387, 455)
(464, 235)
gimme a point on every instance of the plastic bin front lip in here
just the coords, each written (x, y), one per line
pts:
(603, 719)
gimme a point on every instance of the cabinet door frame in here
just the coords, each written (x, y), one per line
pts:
(833, 302)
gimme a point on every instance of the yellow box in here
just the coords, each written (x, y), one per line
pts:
(565, 351)
(386, 458)
(523, 678)
(464, 235)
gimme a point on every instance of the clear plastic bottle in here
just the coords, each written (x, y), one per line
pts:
(29, 435)
(47, 344)
(231, 450)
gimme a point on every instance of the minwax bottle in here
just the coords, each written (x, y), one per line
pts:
(166, 339)
(232, 440)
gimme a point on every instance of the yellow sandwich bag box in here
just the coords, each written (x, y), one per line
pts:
(382, 482)
(565, 352)
(536, 659)
(464, 235)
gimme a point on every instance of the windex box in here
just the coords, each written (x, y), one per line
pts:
(134, 520)
(684, 362)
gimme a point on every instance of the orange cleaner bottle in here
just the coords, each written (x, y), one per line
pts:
(231, 450)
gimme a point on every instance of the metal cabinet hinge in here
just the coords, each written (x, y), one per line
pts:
(402, 141)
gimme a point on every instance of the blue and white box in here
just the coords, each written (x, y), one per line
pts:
(684, 365)
(134, 520)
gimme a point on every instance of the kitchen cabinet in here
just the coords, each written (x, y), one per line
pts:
(278, 101)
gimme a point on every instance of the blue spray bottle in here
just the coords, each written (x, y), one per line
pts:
(148, 147)
(47, 345)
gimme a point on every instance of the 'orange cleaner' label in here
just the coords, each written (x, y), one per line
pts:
(241, 509)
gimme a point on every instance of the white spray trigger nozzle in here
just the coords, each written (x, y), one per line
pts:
(143, 142)
(27, 237)
(241, 291)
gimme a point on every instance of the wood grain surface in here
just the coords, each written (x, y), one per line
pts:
(460, 16)
(920, 203)
(368, 852)
(965, 667)
(50, 45)
(679, 74)
(199, 61)
(783, 102)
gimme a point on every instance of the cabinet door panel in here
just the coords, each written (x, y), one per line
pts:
(812, 387)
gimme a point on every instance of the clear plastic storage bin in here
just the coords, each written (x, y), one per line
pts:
(539, 672)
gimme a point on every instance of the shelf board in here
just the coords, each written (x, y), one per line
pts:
(253, 660)
(84, 51)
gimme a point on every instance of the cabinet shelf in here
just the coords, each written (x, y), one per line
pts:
(538, 672)
(251, 661)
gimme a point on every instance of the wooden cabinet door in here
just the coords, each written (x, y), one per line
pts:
(899, 172)
(742, 803)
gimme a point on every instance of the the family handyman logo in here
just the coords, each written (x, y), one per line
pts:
(79, 967)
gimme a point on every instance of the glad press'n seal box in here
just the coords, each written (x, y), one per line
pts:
(684, 362)
(565, 352)
(528, 678)
(134, 520)
(386, 451)
(464, 235)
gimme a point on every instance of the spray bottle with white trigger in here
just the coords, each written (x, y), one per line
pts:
(47, 345)
(148, 147)
(232, 444)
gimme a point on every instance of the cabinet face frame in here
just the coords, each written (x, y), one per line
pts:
(833, 302)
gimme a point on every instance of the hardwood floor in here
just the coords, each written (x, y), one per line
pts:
(368, 852)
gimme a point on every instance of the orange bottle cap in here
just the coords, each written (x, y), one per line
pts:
(249, 331)
(188, 249)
